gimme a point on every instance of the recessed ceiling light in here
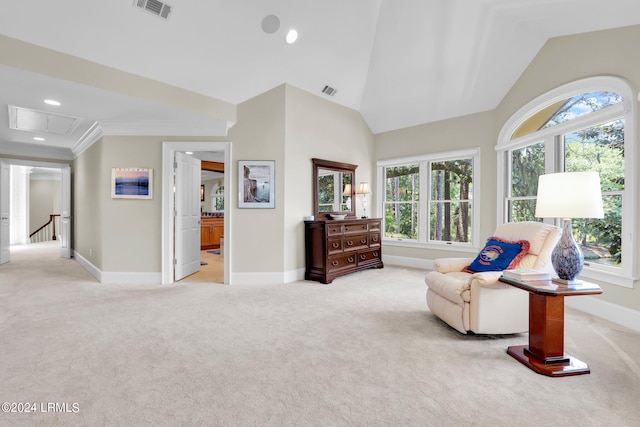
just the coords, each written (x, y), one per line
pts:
(37, 138)
(292, 36)
(52, 102)
(188, 152)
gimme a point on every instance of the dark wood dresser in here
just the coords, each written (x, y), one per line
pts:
(338, 247)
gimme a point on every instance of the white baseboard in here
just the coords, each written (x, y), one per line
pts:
(275, 278)
(92, 269)
(294, 275)
(612, 312)
(119, 278)
(426, 264)
(132, 278)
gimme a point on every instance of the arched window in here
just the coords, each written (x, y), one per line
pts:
(585, 125)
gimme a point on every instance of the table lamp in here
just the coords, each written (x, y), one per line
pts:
(568, 195)
(363, 189)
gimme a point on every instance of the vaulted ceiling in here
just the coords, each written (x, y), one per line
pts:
(399, 62)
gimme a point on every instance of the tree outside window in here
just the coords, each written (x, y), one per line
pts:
(594, 147)
(402, 194)
(451, 200)
(446, 215)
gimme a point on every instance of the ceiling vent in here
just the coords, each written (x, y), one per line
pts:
(328, 90)
(156, 7)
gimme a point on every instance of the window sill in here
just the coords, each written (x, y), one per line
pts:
(436, 246)
(608, 277)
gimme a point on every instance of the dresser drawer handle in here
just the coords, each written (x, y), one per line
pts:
(349, 242)
(336, 245)
(363, 257)
(375, 239)
(375, 254)
(350, 259)
(334, 263)
(363, 241)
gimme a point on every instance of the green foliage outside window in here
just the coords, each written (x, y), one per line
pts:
(598, 148)
(449, 207)
(527, 165)
(601, 149)
(402, 194)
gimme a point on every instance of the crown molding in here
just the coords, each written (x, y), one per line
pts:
(99, 129)
(93, 134)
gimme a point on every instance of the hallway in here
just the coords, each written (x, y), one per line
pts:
(38, 262)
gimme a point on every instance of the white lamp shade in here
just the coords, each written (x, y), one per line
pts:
(569, 195)
(347, 190)
(364, 188)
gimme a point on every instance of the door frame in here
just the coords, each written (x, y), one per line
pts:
(168, 203)
(52, 165)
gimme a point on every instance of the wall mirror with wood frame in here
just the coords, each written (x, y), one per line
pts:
(334, 189)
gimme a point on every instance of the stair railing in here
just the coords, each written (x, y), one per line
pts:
(47, 231)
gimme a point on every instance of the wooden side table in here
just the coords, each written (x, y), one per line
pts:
(545, 352)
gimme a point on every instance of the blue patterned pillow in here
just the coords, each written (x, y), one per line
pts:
(498, 255)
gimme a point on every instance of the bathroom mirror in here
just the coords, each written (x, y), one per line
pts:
(334, 189)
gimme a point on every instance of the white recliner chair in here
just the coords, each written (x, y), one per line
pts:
(478, 302)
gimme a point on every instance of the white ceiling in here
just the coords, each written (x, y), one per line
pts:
(399, 62)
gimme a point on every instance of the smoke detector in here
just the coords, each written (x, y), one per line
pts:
(328, 90)
(155, 7)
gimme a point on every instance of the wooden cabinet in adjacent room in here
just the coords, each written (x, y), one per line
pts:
(338, 247)
(211, 229)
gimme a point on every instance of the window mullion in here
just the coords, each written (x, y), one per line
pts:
(424, 205)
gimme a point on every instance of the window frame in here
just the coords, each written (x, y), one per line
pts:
(424, 161)
(551, 137)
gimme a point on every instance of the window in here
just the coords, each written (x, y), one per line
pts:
(583, 126)
(429, 199)
(450, 203)
(402, 185)
(217, 198)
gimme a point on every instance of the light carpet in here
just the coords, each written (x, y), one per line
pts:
(363, 351)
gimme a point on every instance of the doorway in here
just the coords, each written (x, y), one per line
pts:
(64, 222)
(169, 150)
(211, 236)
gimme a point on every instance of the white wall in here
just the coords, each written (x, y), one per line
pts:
(318, 128)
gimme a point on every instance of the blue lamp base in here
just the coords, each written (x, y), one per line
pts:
(567, 258)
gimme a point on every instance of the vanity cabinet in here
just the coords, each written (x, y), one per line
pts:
(211, 230)
(338, 247)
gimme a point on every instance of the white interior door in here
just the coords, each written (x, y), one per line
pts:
(187, 219)
(65, 213)
(5, 173)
